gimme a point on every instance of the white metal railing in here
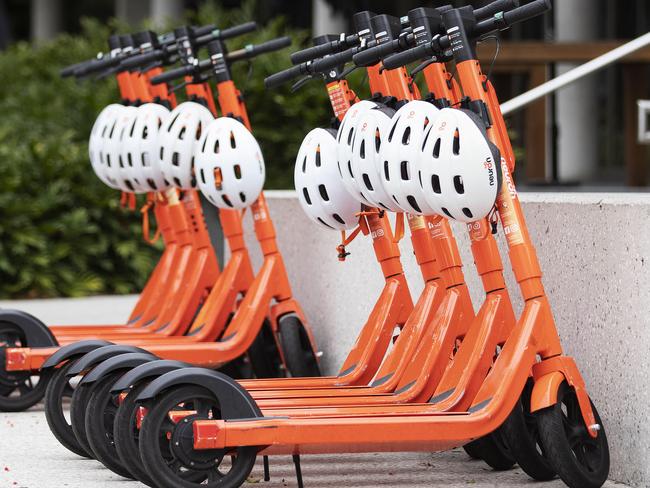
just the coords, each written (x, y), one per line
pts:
(575, 74)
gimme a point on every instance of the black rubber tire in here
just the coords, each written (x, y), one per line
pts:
(493, 449)
(153, 451)
(58, 388)
(126, 435)
(100, 416)
(264, 355)
(472, 451)
(582, 462)
(17, 389)
(521, 432)
(78, 408)
(298, 354)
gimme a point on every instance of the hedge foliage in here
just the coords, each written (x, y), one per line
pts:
(62, 232)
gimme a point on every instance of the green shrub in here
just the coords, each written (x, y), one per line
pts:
(62, 232)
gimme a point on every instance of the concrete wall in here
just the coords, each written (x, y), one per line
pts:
(595, 253)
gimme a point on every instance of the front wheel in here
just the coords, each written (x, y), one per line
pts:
(167, 448)
(19, 390)
(580, 460)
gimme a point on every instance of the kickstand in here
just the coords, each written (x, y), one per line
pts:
(267, 474)
(296, 462)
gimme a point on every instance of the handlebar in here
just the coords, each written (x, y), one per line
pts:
(500, 21)
(287, 75)
(321, 50)
(70, 70)
(247, 52)
(375, 54)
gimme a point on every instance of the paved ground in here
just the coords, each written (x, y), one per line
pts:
(30, 457)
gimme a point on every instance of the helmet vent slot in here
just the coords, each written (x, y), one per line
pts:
(110, 134)
(338, 218)
(392, 130)
(435, 184)
(233, 141)
(197, 134)
(456, 147)
(145, 132)
(237, 169)
(171, 124)
(366, 180)
(468, 213)
(362, 150)
(205, 143)
(226, 200)
(108, 160)
(377, 141)
(304, 165)
(129, 185)
(121, 162)
(338, 165)
(202, 176)
(426, 122)
(406, 137)
(152, 184)
(216, 146)
(177, 182)
(458, 184)
(305, 194)
(414, 203)
(318, 159)
(132, 128)
(175, 159)
(323, 193)
(129, 160)
(323, 222)
(446, 212)
(162, 152)
(350, 169)
(242, 196)
(436, 148)
(405, 170)
(386, 172)
(101, 157)
(350, 134)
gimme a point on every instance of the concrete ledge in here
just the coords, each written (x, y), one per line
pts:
(595, 252)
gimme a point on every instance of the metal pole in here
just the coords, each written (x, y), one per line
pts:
(575, 74)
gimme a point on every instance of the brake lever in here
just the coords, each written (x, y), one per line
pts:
(300, 83)
(175, 88)
(421, 67)
(347, 71)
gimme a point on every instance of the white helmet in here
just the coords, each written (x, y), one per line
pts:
(366, 166)
(229, 164)
(345, 138)
(400, 155)
(140, 149)
(319, 184)
(99, 137)
(460, 167)
(177, 141)
(117, 172)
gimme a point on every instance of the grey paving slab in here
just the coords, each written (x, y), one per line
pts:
(30, 457)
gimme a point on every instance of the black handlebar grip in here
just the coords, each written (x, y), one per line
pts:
(494, 8)
(140, 60)
(172, 74)
(270, 46)
(409, 56)
(70, 70)
(330, 62)
(528, 11)
(237, 30)
(96, 65)
(314, 52)
(373, 55)
(203, 30)
(285, 76)
(520, 14)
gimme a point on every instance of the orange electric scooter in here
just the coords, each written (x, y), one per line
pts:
(18, 390)
(559, 395)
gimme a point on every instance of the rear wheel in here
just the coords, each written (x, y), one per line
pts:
(580, 460)
(167, 449)
(19, 390)
(58, 392)
(296, 347)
